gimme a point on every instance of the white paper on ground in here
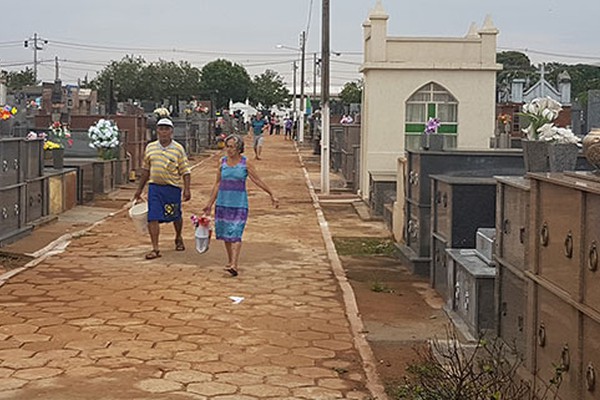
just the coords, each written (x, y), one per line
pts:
(236, 299)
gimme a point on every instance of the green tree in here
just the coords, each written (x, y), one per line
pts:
(516, 65)
(134, 78)
(169, 80)
(226, 81)
(352, 92)
(16, 80)
(127, 79)
(583, 78)
(269, 89)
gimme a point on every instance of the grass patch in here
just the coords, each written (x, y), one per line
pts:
(379, 287)
(360, 246)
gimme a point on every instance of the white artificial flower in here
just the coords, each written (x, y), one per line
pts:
(547, 132)
(104, 134)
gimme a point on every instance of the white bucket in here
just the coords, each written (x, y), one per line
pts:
(139, 215)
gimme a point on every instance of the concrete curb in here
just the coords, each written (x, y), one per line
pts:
(60, 245)
(373, 383)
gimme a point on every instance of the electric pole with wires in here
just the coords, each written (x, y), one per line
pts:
(325, 49)
(37, 44)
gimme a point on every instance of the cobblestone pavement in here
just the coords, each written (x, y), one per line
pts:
(99, 322)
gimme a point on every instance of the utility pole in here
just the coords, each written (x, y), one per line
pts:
(56, 73)
(325, 99)
(315, 76)
(295, 67)
(37, 45)
(302, 102)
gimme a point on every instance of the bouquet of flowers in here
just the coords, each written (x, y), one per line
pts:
(49, 145)
(7, 112)
(104, 136)
(541, 112)
(504, 119)
(60, 134)
(432, 125)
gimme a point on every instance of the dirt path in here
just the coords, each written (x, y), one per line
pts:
(399, 310)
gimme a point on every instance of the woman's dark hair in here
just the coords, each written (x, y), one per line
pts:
(239, 142)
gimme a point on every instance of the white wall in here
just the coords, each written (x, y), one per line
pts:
(466, 67)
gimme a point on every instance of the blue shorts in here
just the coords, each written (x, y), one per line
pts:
(164, 203)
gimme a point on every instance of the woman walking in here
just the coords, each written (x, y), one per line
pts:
(229, 192)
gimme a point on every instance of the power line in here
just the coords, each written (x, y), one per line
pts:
(93, 47)
(546, 53)
(310, 9)
(17, 64)
(346, 62)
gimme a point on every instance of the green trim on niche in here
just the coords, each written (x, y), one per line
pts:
(421, 133)
(431, 110)
(414, 128)
(447, 129)
(420, 128)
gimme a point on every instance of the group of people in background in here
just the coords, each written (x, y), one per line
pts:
(274, 124)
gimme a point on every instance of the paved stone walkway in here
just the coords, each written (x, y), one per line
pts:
(100, 322)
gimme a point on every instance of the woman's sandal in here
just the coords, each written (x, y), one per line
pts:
(153, 254)
(179, 246)
(232, 271)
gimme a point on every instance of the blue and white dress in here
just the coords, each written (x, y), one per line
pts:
(231, 210)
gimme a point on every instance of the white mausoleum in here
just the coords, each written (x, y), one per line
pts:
(408, 80)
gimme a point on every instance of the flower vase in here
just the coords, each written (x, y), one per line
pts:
(540, 156)
(562, 156)
(58, 158)
(535, 155)
(432, 141)
(106, 153)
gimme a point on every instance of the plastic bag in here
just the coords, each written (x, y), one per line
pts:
(202, 234)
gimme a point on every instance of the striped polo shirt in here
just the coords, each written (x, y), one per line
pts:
(166, 164)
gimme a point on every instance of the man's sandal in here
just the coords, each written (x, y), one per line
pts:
(153, 254)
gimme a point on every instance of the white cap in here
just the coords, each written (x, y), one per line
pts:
(165, 122)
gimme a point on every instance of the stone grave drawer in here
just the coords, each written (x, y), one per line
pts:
(439, 267)
(418, 229)
(11, 170)
(590, 386)
(36, 199)
(557, 336)
(414, 179)
(511, 291)
(33, 156)
(558, 234)
(12, 210)
(591, 250)
(473, 297)
(512, 221)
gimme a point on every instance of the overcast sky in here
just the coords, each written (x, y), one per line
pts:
(86, 35)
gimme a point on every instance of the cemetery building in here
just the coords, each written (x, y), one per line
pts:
(408, 80)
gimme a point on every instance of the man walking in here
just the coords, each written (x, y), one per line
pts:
(166, 168)
(258, 126)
